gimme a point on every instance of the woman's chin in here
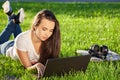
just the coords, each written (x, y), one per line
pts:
(43, 39)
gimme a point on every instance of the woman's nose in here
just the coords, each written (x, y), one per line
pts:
(47, 33)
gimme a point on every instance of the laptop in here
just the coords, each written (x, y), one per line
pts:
(61, 66)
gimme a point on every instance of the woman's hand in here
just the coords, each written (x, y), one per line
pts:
(40, 68)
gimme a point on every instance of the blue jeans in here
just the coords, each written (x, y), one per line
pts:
(11, 28)
(5, 46)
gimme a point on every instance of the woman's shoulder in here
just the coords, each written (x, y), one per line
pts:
(24, 35)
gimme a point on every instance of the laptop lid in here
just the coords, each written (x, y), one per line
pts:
(59, 66)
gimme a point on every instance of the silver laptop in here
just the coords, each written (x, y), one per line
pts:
(60, 66)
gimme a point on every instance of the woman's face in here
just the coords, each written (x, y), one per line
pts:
(45, 29)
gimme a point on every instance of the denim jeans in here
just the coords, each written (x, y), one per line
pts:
(5, 46)
(11, 28)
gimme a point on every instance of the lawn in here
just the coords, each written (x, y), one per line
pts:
(82, 25)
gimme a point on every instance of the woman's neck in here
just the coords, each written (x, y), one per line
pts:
(34, 37)
(36, 42)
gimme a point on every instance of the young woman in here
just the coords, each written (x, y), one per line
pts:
(35, 46)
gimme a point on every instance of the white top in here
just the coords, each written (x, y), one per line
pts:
(23, 42)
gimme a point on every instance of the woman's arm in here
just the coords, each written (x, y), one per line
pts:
(24, 59)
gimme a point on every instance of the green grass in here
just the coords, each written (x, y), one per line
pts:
(82, 24)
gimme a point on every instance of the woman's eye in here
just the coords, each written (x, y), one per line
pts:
(43, 29)
(51, 30)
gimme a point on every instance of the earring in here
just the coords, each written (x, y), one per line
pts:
(34, 28)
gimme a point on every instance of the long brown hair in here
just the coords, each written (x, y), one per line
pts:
(51, 47)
